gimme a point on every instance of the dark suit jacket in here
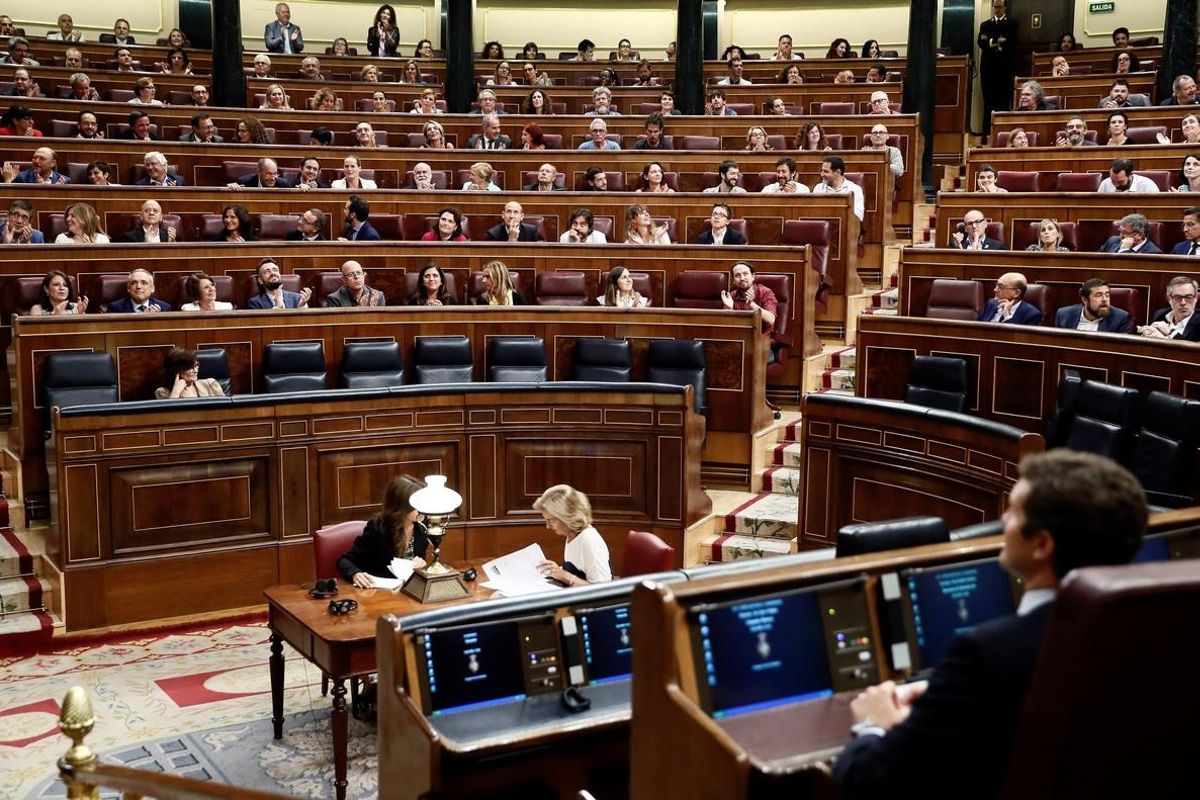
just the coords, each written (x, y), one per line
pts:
(390, 44)
(261, 301)
(533, 187)
(529, 233)
(190, 136)
(476, 142)
(127, 135)
(1135, 100)
(138, 234)
(988, 244)
(731, 237)
(1027, 314)
(111, 38)
(372, 553)
(251, 182)
(29, 176)
(1182, 249)
(956, 742)
(366, 233)
(179, 180)
(297, 236)
(273, 37)
(1191, 333)
(13, 91)
(663, 144)
(1117, 321)
(124, 305)
(1113, 242)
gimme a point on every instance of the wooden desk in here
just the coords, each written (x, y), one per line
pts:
(343, 646)
(1047, 123)
(1049, 161)
(1098, 59)
(1085, 91)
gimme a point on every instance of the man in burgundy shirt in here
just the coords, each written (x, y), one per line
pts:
(748, 296)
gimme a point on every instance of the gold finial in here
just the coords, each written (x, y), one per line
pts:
(76, 721)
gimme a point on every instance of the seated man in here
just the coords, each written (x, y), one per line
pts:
(1190, 246)
(281, 35)
(731, 177)
(124, 59)
(586, 51)
(952, 736)
(733, 73)
(73, 58)
(18, 53)
(120, 34)
(18, 228)
(513, 229)
(595, 179)
(156, 172)
(1059, 67)
(598, 131)
(310, 227)
(720, 233)
(1119, 97)
(881, 104)
(354, 292)
(265, 177)
(974, 236)
(357, 229)
(834, 181)
(1178, 320)
(152, 230)
(748, 295)
(785, 178)
(262, 66)
(878, 141)
(310, 175)
(66, 31)
(654, 129)
(422, 179)
(487, 103)
(1132, 237)
(582, 230)
(645, 75)
(203, 130)
(23, 85)
(1007, 305)
(88, 127)
(1075, 135)
(271, 294)
(1121, 178)
(876, 73)
(715, 107)
(602, 103)
(310, 68)
(1095, 311)
(784, 51)
(140, 128)
(82, 89)
(364, 135)
(1120, 37)
(140, 298)
(42, 169)
(490, 138)
(547, 175)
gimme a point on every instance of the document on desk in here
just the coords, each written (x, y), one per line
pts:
(517, 573)
(401, 568)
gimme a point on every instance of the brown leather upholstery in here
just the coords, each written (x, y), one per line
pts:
(1002, 138)
(646, 553)
(1145, 134)
(1025, 235)
(695, 288)
(366, 104)
(441, 178)
(329, 283)
(561, 288)
(1161, 177)
(951, 299)
(529, 177)
(1078, 182)
(1018, 181)
(1035, 295)
(699, 143)
(464, 176)
(811, 232)
(330, 542)
(276, 227)
(110, 287)
(836, 109)
(1128, 299)
(390, 226)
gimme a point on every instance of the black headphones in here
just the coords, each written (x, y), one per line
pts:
(323, 589)
(338, 607)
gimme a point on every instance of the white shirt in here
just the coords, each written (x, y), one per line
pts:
(595, 237)
(340, 183)
(151, 234)
(727, 81)
(1177, 328)
(719, 238)
(775, 188)
(589, 553)
(1034, 599)
(720, 188)
(1084, 325)
(1137, 183)
(849, 187)
(219, 305)
(1012, 310)
(66, 238)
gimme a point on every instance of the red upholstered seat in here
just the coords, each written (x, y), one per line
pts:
(696, 288)
(410, 285)
(993, 230)
(952, 299)
(1145, 134)
(441, 178)
(1002, 138)
(1078, 181)
(561, 288)
(1128, 299)
(1018, 181)
(327, 284)
(276, 227)
(646, 553)
(836, 109)
(700, 143)
(1035, 295)
(811, 232)
(1161, 177)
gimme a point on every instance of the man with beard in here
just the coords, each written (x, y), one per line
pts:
(1095, 312)
(1075, 135)
(271, 294)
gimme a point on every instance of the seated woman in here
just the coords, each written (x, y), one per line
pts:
(625, 52)
(619, 291)
(426, 103)
(275, 99)
(325, 99)
(985, 181)
(491, 50)
(178, 62)
(176, 39)
(143, 93)
(352, 172)
(236, 225)
(1050, 238)
(839, 48)
(498, 287)
(424, 49)
(533, 77)
(392, 533)
(431, 288)
(532, 137)
(812, 137)
(412, 73)
(449, 227)
(1118, 125)
(791, 75)
(18, 121)
(640, 227)
(369, 74)
(99, 173)
(481, 178)
(340, 47)
(756, 139)
(203, 291)
(538, 102)
(56, 297)
(250, 131)
(435, 136)
(608, 77)
(1018, 138)
(379, 102)
(1189, 175)
(653, 179)
(83, 226)
(1124, 62)
(531, 51)
(568, 513)
(502, 75)
(183, 377)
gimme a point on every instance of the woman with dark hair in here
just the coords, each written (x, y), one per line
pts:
(1124, 62)
(448, 228)
(383, 37)
(340, 47)
(498, 287)
(183, 379)
(538, 102)
(530, 51)
(870, 49)
(57, 297)
(18, 121)
(431, 288)
(840, 48)
(492, 50)
(250, 131)
(619, 291)
(176, 39)
(502, 75)
(178, 62)
(1067, 43)
(730, 51)
(236, 225)
(812, 137)
(412, 73)
(654, 179)
(791, 75)
(532, 137)
(98, 173)
(424, 49)
(392, 533)
(1118, 125)
(1189, 176)
(203, 291)
(625, 52)
(609, 77)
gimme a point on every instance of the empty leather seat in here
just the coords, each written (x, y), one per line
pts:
(214, 363)
(835, 109)
(954, 299)
(811, 232)
(646, 553)
(992, 527)
(79, 379)
(695, 288)
(607, 360)
(561, 289)
(369, 365)
(1145, 134)
(1127, 299)
(1035, 295)
(294, 367)
(443, 359)
(938, 382)
(680, 362)
(1105, 420)
(276, 227)
(1164, 454)
(1078, 181)
(513, 359)
(700, 143)
(1064, 409)
(1015, 181)
(874, 537)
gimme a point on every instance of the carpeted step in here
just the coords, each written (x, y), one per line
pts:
(846, 358)
(786, 454)
(14, 557)
(838, 379)
(792, 431)
(22, 593)
(23, 623)
(766, 515)
(734, 547)
(781, 480)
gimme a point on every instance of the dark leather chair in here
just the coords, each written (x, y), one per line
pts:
(954, 299)
(294, 367)
(781, 285)
(443, 359)
(875, 537)
(514, 359)
(29, 292)
(645, 553)
(1064, 411)
(530, 177)
(1035, 295)
(1078, 181)
(1161, 177)
(214, 363)
(700, 143)
(276, 227)
(938, 382)
(1002, 138)
(1164, 454)
(993, 230)
(389, 226)
(1145, 134)
(561, 288)
(1127, 299)
(369, 365)
(1025, 235)
(110, 287)
(1105, 420)
(329, 543)
(441, 178)
(992, 527)
(1018, 181)
(78, 379)
(680, 362)
(811, 232)
(836, 109)
(607, 360)
(696, 288)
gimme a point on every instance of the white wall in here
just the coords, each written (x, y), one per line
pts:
(1142, 17)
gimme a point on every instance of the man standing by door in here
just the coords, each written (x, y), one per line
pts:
(997, 63)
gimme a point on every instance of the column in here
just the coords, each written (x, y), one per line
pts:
(228, 80)
(460, 56)
(1179, 44)
(920, 79)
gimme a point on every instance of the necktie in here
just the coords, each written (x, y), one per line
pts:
(1192, 251)
(141, 309)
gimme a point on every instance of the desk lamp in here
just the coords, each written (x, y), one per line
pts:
(437, 503)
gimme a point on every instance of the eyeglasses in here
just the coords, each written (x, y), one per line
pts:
(1181, 298)
(1000, 287)
(974, 221)
(356, 274)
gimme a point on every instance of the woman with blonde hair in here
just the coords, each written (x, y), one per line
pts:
(83, 226)
(324, 99)
(1050, 236)
(498, 287)
(640, 227)
(756, 139)
(481, 178)
(392, 533)
(275, 99)
(568, 513)
(435, 136)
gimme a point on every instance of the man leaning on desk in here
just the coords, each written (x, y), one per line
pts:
(952, 737)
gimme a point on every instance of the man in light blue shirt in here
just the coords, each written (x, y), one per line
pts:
(598, 131)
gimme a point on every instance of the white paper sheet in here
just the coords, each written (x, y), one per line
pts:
(517, 573)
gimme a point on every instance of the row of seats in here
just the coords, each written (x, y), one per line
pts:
(76, 378)
(1086, 235)
(964, 300)
(1059, 181)
(876, 537)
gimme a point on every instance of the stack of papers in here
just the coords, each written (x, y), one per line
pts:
(402, 568)
(517, 573)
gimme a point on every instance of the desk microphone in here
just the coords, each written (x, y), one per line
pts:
(574, 700)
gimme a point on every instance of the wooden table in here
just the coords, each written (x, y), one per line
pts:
(343, 646)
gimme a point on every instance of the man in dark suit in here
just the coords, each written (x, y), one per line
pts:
(280, 35)
(1178, 320)
(203, 130)
(490, 138)
(309, 228)
(140, 128)
(547, 180)
(997, 44)
(23, 85)
(120, 34)
(1095, 312)
(513, 229)
(271, 294)
(951, 738)
(1190, 246)
(152, 228)
(140, 298)
(310, 175)
(357, 229)
(1008, 305)
(156, 172)
(720, 233)
(974, 236)
(265, 177)
(43, 169)
(1132, 237)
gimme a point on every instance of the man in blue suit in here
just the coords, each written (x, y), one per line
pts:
(357, 228)
(18, 227)
(141, 297)
(281, 36)
(271, 293)
(1095, 312)
(952, 737)
(1132, 237)
(1008, 304)
(1190, 246)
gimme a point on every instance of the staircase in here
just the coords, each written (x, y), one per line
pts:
(24, 618)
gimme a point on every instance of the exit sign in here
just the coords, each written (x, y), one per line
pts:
(1102, 8)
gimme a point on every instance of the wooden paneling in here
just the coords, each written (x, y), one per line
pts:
(1085, 91)
(1052, 160)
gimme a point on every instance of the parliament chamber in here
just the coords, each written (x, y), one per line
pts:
(799, 502)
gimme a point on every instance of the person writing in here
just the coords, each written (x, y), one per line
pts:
(568, 513)
(183, 377)
(392, 533)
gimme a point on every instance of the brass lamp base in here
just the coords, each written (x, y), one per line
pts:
(434, 585)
